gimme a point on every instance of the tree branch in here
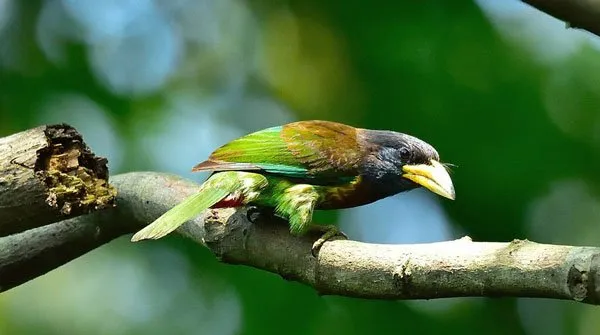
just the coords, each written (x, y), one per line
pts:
(417, 271)
(584, 14)
(48, 174)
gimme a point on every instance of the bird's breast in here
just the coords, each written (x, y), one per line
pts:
(356, 193)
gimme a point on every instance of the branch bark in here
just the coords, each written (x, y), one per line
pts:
(418, 271)
(48, 174)
(584, 14)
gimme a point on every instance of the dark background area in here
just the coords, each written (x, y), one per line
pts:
(503, 91)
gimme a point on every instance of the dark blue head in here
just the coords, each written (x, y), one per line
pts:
(398, 162)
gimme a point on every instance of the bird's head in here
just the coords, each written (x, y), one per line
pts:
(406, 162)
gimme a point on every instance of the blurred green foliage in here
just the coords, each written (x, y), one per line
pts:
(514, 106)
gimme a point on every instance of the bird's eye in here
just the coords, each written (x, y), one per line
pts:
(404, 154)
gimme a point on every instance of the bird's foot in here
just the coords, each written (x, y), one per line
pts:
(254, 213)
(328, 232)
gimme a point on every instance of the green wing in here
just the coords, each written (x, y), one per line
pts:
(320, 151)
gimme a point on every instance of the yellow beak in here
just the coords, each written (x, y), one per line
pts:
(433, 177)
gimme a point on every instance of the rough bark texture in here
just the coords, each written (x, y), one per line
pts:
(584, 14)
(48, 174)
(417, 271)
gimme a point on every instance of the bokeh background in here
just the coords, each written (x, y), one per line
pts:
(505, 92)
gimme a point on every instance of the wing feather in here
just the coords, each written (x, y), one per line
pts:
(320, 151)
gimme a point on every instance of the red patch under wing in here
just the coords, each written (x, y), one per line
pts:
(230, 201)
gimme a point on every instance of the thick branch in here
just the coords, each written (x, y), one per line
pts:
(418, 271)
(584, 14)
(48, 174)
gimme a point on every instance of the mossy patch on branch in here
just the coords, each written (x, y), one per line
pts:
(77, 180)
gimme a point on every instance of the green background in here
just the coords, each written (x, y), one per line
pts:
(503, 91)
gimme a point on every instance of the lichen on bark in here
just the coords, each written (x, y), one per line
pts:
(77, 180)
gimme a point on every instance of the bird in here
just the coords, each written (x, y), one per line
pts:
(303, 166)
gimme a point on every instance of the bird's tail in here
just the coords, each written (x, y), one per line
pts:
(208, 196)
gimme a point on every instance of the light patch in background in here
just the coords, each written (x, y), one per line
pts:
(53, 29)
(256, 112)
(222, 35)
(146, 292)
(142, 58)
(108, 19)
(542, 316)
(564, 215)
(221, 43)
(307, 63)
(190, 131)
(11, 50)
(133, 46)
(136, 47)
(193, 128)
(546, 37)
(138, 64)
(410, 217)
(6, 11)
(571, 98)
(90, 121)
(567, 214)
(590, 322)
(556, 317)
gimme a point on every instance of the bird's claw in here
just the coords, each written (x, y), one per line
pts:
(328, 232)
(254, 213)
